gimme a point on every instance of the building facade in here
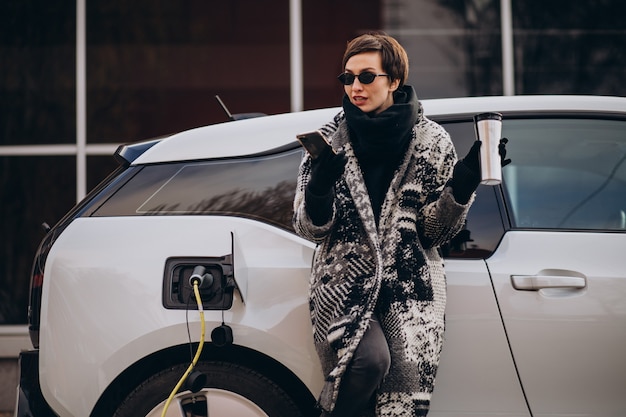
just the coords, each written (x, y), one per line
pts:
(77, 78)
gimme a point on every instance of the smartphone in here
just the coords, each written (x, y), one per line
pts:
(314, 142)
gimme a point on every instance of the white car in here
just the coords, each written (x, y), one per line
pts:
(536, 316)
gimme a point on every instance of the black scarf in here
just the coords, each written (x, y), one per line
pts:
(385, 134)
(381, 140)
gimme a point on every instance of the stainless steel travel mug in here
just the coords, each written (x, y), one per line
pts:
(488, 131)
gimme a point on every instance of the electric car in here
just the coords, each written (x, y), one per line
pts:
(536, 314)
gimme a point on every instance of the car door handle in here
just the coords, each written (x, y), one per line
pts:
(539, 282)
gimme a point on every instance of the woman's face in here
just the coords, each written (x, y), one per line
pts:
(377, 96)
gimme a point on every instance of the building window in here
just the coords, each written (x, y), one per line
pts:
(570, 48)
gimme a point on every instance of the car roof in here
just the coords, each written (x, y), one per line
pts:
(253, 136)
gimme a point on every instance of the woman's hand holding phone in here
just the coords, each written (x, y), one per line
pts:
(314, 143)
(326, 169)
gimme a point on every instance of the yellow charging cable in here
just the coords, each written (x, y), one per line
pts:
(196, 292)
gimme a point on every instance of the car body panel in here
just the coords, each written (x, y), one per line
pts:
(245, 137)
(476, 374)
(113, 332)
(568, 343)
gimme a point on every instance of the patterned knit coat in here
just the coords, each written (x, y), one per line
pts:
(394, 269)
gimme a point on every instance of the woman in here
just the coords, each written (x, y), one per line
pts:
(379, 207)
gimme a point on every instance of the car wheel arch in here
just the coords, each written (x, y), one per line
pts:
(139, 371)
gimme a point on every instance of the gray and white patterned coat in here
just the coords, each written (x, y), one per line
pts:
(394, 269)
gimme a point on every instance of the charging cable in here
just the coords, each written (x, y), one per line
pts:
(197, 280)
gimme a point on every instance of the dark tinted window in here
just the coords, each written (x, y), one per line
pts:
(37, 72)
(259, 188)
(263, 188)
(566, 47)
(566, 173)
(155, 67)
(484, 228)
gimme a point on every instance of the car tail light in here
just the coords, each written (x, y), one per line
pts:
(36, 284)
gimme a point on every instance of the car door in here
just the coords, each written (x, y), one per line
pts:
(560, 274)
(477, 374)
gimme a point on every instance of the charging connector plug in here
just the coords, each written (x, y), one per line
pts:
(201, 277)
(197, 380)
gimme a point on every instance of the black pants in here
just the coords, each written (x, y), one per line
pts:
(365, 373)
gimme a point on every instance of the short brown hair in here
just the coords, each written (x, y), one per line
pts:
(394, 58)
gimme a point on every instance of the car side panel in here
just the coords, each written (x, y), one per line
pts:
(111, 271)
(568, 342)
(477, 375)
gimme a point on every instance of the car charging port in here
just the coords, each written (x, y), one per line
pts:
(214, 276)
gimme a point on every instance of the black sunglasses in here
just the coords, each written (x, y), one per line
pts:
(364, 78)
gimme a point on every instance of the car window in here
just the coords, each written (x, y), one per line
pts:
(566, 173)
(484, 224)
(260, 188)
(263, 188)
